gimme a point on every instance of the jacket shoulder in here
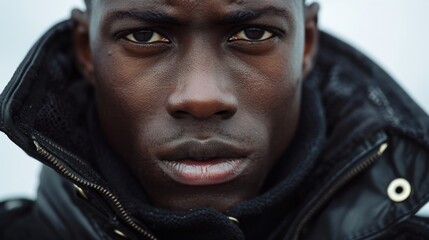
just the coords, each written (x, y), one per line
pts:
(19, 220)
(381, 201)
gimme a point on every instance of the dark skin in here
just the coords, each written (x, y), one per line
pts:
(197, 85)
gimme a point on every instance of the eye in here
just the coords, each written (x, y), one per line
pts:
(252, 35)
(146, 37)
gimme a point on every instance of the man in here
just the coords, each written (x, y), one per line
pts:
(212, 120)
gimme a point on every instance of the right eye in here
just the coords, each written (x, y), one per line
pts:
(253, 34)
(146, 37)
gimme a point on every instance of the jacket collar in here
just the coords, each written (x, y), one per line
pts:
(46, 102)
(45, 111)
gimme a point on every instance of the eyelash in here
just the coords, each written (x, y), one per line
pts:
(123, 34)
(267, 30)
(273, 31)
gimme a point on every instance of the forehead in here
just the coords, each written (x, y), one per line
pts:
(201, 9)
(191, 3)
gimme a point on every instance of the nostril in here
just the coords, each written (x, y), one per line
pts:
(180, 114)
(222, 112)
(225, 113)
(202, 106)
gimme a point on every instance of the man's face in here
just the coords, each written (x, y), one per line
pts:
(199, 98)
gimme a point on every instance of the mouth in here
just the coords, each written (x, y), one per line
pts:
(199, 163)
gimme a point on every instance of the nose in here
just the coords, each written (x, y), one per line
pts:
(202, 92)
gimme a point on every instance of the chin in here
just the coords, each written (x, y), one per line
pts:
(175, 196)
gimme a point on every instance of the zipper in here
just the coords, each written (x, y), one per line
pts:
(347, 177)
(114, 199)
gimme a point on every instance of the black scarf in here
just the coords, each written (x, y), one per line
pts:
(260, 217)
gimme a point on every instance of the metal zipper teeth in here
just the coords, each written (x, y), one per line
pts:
(358, 169)
(67, 173)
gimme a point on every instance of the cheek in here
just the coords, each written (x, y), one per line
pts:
(130, 95)
(269, 84)
(132, 86)
(270, 89)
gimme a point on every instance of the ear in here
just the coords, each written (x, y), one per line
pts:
(81, 44)
(311, 37)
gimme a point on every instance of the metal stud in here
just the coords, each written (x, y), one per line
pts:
(233, 219)
(399, 190)
(120, 233)
(80, 191)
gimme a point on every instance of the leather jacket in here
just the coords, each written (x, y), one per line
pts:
(363, 152)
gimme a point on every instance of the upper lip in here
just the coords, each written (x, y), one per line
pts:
(201, 150)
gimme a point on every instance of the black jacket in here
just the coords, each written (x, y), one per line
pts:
(357, 168)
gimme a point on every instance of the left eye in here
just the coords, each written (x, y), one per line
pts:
(146, 36)
(252, 35)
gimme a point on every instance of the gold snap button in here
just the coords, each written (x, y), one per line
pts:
(233, 219)
(399, 190)
(80, 191)
(120, 233)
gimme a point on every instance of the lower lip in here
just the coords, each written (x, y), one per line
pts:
(200, 173)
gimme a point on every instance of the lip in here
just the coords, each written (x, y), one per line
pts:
(199, 163)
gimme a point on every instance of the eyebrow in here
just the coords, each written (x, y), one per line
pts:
(160, 17)
(146, 16)
(251, 14)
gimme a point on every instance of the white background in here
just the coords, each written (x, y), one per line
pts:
(392, 32)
